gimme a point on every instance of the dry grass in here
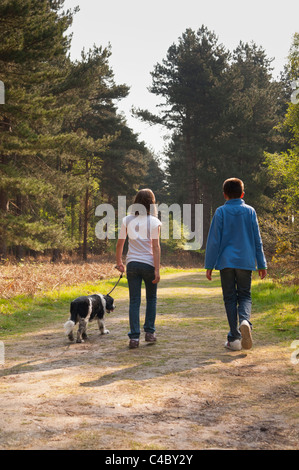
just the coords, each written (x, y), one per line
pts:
(31, 278)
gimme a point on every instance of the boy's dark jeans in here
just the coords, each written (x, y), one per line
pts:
(236, 288)
(136, 272)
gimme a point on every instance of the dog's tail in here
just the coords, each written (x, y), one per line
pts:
(68, 327)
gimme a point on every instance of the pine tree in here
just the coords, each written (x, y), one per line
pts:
(253, 110)
(104, 167)
(283, 170)
(190, 82)
(221, 109)
(33, 49)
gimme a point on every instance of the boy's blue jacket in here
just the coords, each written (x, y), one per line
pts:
(234, 239)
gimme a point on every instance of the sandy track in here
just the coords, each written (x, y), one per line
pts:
(184, 392)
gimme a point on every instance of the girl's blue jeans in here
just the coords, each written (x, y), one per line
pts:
(236, 288)
(136, 272)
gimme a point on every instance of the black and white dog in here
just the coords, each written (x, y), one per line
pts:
(83, 310)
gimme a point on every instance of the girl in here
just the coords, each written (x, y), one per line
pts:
(143, 262)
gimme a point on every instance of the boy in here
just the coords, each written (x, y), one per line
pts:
(234, 247)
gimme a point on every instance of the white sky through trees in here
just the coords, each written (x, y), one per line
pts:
(140, 33)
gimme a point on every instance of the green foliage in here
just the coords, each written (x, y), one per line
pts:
(63, 147)
(32, 55)
(221, 109)
(283, 169)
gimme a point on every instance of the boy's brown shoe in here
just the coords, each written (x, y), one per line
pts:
(134, 343)
(150, 337)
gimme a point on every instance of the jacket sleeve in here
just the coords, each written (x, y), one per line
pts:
(214, 240)
(259, 251)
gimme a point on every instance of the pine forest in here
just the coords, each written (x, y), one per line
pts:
(65, 148)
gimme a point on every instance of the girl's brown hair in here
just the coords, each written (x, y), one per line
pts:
(147, 198)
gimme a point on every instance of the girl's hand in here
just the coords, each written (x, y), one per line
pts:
(157, 277)
(209, 274)
(120, 267)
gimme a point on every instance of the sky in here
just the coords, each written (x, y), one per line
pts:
(141, 31)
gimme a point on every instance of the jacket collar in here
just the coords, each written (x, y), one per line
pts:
(236, 202)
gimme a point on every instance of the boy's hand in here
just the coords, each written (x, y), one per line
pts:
(262, 273)
(209, 274)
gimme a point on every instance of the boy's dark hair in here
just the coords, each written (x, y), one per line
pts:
(233, 188)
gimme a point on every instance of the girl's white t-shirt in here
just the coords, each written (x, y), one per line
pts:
(141, 230)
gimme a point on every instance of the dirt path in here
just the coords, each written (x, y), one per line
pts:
(184, 392)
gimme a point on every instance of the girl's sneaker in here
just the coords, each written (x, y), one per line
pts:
(245, 329)
(233, 345)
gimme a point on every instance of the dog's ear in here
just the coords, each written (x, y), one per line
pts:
(109, 303)
(108, 298)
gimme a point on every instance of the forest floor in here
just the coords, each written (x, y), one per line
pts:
(186, 391)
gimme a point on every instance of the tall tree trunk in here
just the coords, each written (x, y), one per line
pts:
(3, 213)
(85, 225)
(192, 180)
(19, 248)
(56, 255)
(85, 220)
(207, 212)
(72, 218)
